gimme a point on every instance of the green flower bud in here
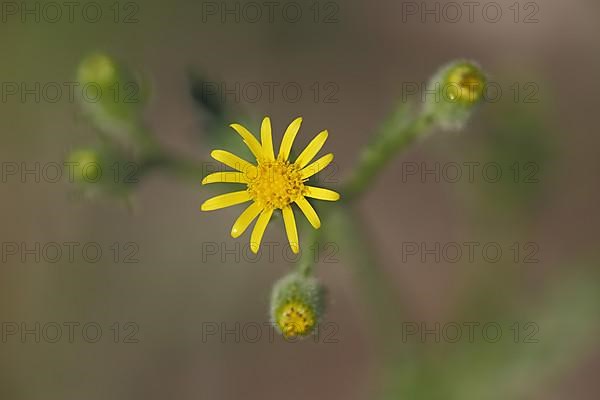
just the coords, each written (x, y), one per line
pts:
(85, 165)
(296, 305)
(96, 172)
(454, 92)
(112, 96)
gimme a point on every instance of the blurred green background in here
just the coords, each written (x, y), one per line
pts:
(367, 53)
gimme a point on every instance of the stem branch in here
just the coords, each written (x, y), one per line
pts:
(392, 139)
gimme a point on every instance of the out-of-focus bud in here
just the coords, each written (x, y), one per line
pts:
(85, 165)
(454, 92)
(296, 305)
(101, 172)
(113, 97)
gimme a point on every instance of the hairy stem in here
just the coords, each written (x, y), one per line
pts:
(306, 263)
(394, 137)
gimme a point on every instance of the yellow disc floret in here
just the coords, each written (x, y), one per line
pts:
(277, 184)
(295, 319)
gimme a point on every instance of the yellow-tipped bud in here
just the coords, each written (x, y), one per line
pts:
(296, 305)
(85, 166)
(113, 97)
(98, 68)
(455, 91)
(464, 83)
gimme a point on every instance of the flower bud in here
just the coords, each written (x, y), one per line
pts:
(296, 305)
(85, 165)
(454, 92)
(112, 96)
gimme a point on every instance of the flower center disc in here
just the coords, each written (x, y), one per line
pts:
(278, 184)
(295, 320)
(468, 85)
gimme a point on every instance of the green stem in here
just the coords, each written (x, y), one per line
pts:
(305, 266)
(392, 139)
(357, 244)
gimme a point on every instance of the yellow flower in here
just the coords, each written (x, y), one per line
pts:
(273, 183)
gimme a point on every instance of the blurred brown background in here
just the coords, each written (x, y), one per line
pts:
(368, 52)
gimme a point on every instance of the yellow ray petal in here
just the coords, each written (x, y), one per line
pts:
(225, 200)
(267, 139)
(317, 166)
(321, 193)
(312, 149)
(245, 219)
(290, 228)
(259, 230)
(225, 177)
(233, 161)
(288, 139)
(250, 140)
(309, 212)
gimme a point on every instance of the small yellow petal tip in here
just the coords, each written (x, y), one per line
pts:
(235, 233)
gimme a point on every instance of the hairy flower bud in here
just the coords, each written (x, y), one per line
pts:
(85, 165)
(296, 305)
(454, 92)
(112, 96)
